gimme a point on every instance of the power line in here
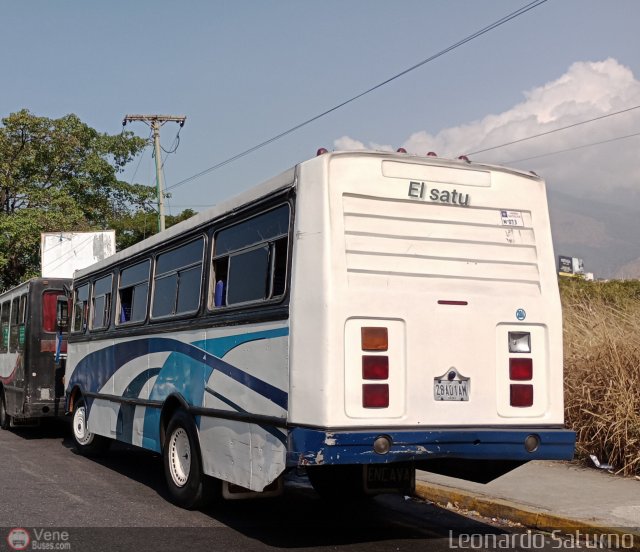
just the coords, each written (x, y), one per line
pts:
(524, 9)
(573, 149)
(552, 131)
(141, 157)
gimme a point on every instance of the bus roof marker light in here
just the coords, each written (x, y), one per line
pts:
(464, 158)
(401, 150)
(321, 151)
(432, 154)
(374, 338)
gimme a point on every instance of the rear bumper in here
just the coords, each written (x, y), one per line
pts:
(318, 446)
(44, 408)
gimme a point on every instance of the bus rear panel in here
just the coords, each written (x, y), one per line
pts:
(425, 317)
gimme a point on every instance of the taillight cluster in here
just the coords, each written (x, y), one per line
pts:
(375, 367)
(520, 369)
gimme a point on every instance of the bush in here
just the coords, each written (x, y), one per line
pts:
(602, 370)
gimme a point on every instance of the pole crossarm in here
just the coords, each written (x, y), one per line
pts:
(159, 118)
(155, 122)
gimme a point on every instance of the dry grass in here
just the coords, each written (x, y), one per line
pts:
(602, 370)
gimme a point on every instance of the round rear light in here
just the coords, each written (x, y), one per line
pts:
(531, 443)
(382, 444)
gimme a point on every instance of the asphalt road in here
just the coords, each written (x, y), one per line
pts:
(119, 503)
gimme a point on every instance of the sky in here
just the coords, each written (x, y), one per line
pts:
(243, 71)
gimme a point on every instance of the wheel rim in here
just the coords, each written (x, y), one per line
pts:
(179, 457)
(82, 435)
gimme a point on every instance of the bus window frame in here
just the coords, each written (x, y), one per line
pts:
(85, 321)
(271, 300)
(4, 343)
(154, 276)
(107, 309)
(14, 335)
(128, 323)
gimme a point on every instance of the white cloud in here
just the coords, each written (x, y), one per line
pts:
(587, 90)
(346, 143)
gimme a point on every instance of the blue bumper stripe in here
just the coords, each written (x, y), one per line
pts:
(313, 447)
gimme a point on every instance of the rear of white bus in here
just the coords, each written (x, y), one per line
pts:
(425, 318)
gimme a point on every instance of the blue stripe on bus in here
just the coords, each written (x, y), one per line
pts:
(185, 371)
(94, 370)
(269, 429)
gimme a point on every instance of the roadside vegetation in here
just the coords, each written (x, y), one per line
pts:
(602, 370)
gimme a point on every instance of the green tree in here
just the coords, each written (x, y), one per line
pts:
(59, 175)
(137, 226)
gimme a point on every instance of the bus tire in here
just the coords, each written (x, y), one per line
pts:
(188, 486)
(338, 482)
(5, 419)
(86, 443)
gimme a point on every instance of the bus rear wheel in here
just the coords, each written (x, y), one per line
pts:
(5, 419)
(188, 486)
(86, 443)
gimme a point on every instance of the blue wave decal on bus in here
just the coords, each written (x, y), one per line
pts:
(185, 372)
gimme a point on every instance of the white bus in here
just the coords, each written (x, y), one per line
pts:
(361, 315)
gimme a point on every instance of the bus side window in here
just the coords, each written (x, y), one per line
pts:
(80, 308)
(4, 327)
(133, 293)
(15, 325)
(101, 303)
(250, 259)
(178, 280)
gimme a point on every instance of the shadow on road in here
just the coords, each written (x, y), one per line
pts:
(298, 519)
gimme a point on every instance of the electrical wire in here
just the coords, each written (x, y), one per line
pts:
(573, 149)
(524, 9)
(141, 158)
(175, 144)
(552, 131)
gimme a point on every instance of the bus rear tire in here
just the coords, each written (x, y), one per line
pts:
(188, 486)
(86, 443)
(5, 419)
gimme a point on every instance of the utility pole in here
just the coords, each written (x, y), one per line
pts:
(155, 122)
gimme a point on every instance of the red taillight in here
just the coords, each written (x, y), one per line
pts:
(374, 339)
(521, 394)
(375, 395)
(375, 367)
(520, 369)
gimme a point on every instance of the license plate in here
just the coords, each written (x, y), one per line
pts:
(390, 477)
(448, 390)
